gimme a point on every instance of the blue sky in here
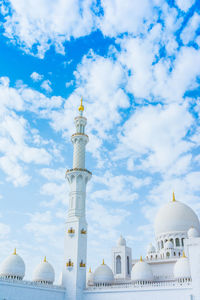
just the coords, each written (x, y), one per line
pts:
(137, 66)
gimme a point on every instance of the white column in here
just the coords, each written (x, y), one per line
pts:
(75, 246)
(192, 246)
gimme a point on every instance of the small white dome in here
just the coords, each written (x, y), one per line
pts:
(151, 248)
(168, 245)
(175, 217)
(13, 267)
(103, 275)
(44, 273)
(90, 277)
(192, 232)
(121, 241)
(182, 268)
(141, 271)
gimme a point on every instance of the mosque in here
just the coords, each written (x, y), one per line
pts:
(170, 269)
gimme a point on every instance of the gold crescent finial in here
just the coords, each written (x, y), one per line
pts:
(103, 262)
(81, 107)
(141, 258)
(173, 197)
(15, 252)
(184, 254)
(45, 259)
(90, 270)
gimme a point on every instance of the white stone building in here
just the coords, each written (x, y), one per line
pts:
(170, 270)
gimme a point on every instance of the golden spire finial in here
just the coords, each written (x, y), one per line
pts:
(15, 252)
(90, 270)
(184, 254)
(103, 262)
(173, 197)
(141, 258)
(81, 107)
(45, 259)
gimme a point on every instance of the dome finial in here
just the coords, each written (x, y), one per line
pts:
(45, 259)
(81, 107)
(15, 252)
(141, 258)
(173, 197)
(184, 254)
(103, 262)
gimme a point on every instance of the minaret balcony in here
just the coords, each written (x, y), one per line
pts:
(79, 133)
(82, 265)
(69, 264)
(71, 231)
(83, 231)
(77, 169)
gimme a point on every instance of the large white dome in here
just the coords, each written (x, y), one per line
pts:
(13, 267)
(44, 273)
(175, 217)
(103, 275)
(182, 268)
(141, 271)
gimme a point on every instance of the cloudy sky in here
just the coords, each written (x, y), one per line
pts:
(137, 66)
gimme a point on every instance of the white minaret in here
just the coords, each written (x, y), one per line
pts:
(121, 260)
(75, 247)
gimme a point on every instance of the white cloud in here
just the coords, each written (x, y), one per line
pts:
(185, 4)
(131, 16)
(46, 85)
(189, 32)
(47, 25)
(69, 83)
(117, 188)
(16, 135)
(4, 230)
(156, 136)
(56, 188)
(130, 164)
(57, 192)
(53, 175)
(111, 219)
(158, 79)
(36, 76)
(14, 149)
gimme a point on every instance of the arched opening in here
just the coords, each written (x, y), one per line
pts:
(118, 264)
(162, 245)
(168, 254)
(177, 242)
(182, 241)
(128, 269)
(171, 240)
(174, 253)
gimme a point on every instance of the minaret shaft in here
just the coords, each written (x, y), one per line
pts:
(75, 247)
